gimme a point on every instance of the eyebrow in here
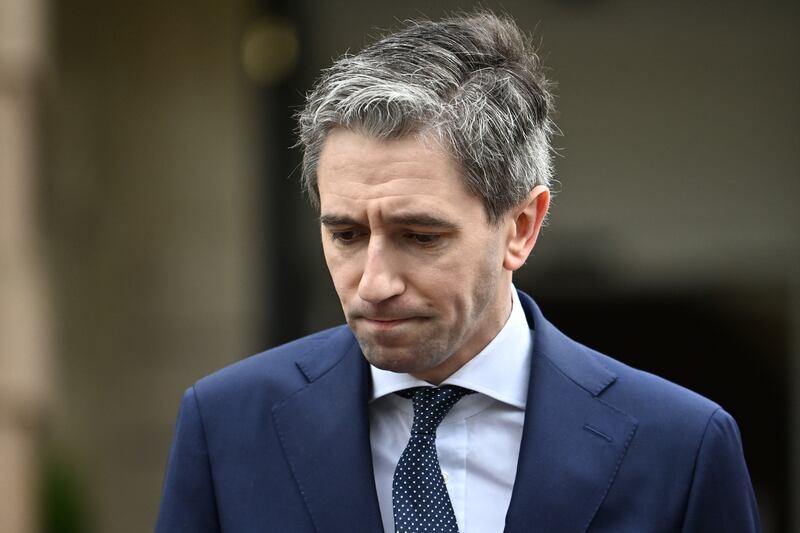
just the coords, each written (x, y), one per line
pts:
(338, 220)
(402, 219)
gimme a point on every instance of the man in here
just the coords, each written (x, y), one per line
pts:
(448, 402)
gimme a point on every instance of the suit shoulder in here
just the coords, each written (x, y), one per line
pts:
(274, 368)
(651, 397)
(628, 389)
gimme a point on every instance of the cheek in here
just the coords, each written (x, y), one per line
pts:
(344, 271)
(468, 276)
(469, 267)
(444, 288)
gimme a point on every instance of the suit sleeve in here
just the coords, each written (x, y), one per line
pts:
(721, 497)
(188, 503)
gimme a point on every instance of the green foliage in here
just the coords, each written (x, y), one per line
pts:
(64, 500)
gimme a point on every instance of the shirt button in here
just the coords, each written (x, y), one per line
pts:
(445, 476)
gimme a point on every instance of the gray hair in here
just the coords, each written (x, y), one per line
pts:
(473, 83)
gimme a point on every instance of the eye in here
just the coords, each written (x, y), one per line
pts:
(345, 236)
(424, 239)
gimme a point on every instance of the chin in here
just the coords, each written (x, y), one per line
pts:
(387, 359)
(404, 361)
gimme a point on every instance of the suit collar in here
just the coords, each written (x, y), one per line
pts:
(567, 355)
(326, 353)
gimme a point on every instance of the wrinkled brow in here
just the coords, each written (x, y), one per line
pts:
(400, 219)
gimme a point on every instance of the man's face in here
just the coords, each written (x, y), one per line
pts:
(418, 269)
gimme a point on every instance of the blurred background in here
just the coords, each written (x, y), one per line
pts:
(152, 228)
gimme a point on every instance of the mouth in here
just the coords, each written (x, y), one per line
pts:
(386, 324)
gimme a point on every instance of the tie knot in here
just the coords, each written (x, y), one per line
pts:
(431, 405)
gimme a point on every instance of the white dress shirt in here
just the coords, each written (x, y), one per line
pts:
(477, 442)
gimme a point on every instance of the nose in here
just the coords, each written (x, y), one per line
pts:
(381, 278)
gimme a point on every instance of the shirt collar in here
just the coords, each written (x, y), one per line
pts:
(501, 370)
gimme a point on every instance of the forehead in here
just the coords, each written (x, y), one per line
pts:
(357, 172)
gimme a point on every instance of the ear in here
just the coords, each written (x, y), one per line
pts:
(525, 226)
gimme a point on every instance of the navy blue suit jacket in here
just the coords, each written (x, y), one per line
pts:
(279, 442)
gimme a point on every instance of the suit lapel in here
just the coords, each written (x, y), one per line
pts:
(324, 431)
(572, 443)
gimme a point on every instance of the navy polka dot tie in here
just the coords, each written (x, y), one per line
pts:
(419, 498)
